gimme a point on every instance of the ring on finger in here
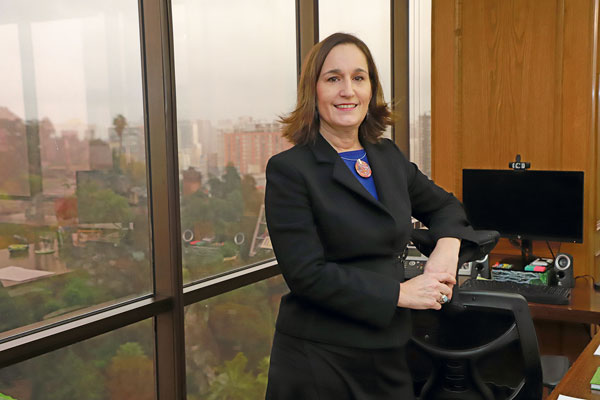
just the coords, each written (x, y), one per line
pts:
(443, 299)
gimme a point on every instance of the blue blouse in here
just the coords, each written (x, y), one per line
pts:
(350, 157)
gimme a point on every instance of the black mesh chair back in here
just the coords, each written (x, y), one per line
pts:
(480, 346)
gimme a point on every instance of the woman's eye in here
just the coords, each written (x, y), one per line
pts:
(333, 79)
(359, 78)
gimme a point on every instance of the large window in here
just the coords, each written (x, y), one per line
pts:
(73, 211)
(419, 22)
(135, 262)
(114, 366)
(235, 67)
(228, 342)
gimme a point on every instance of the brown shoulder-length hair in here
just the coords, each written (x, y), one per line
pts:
(301, 126)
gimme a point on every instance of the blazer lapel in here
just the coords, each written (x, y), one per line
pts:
(387, 191)
(324, 153)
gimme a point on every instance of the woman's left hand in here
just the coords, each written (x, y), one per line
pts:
(444, 257)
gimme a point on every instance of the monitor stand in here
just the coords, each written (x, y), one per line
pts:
(526, 257)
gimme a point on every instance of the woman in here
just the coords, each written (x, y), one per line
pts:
(338, 208)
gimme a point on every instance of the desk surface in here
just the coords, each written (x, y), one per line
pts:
(576, 382)
(584, 307)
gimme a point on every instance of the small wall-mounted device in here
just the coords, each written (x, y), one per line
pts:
(518, 164)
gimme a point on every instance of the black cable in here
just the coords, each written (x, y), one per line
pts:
(586, 276)
(595, 285)
(514, 243)
(550, 248)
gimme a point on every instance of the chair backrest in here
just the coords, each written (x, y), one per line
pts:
(482, 345)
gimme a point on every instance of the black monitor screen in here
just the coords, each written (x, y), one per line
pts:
(535, 205)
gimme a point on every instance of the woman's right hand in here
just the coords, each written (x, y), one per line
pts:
(425, 291)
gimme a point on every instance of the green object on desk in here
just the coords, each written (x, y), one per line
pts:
(595, 382)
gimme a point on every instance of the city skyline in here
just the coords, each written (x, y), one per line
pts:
(203, 146)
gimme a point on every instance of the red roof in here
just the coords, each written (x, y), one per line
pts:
(6, 114)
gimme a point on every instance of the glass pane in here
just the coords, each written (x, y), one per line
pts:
(235, 68)
(73, 196)
(370, 22)
(228, 342)
(118, 365)
(419, 21)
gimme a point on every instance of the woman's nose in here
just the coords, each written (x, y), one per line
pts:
(347, 89)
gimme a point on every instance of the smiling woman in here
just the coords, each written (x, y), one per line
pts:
(338, 209)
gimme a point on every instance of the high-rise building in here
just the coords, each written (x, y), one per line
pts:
(249, 151)
(420, 142)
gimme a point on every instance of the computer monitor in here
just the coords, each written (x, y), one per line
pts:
(526, 205)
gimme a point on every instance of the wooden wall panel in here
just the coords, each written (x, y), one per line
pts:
(508, 98)
(578, 144)
(445, 102)
(517, 77)
(596, 132)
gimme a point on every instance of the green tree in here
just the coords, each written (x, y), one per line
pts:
(65, 375)
(263, 372)
(130, 374)
(216, 187)
(119, 125)
(136, 172)
(104, 204)
(12, 311)
(223, 206)
(253, 198)
(80, 292)
(233, 382)
(229, 249)
(231, 179)
(195, 207)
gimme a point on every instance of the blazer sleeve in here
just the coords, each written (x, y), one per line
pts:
(356, 293)
(439, 210)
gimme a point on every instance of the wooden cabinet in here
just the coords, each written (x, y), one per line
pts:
(518, 77)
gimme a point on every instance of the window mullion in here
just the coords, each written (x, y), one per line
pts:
(159, 96)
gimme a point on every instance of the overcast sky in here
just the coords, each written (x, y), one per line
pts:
(232, 57)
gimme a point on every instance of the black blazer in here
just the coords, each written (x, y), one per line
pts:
(339, 249)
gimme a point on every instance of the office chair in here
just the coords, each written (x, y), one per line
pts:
(482, 345)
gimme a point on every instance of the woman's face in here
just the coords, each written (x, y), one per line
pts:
(343, 89)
